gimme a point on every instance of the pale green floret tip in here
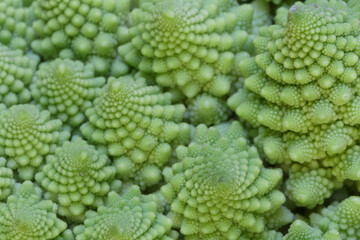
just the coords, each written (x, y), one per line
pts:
(25, 216)
(66, 88)
(138, 125)
(207, 110)
(220, 188)
(78, 177)
(84, 30)
(190, 45)
(126, 217)
(17, 72)
(28, 135)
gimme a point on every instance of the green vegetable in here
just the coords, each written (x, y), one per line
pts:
(337, 221)
(137, 124)
(342, 217)
(308, 185)
(66, 88)
(16, 74)
(189, 45)
(77, 177)
(16, 18)
(7, 181)
(220, 187)
(80, 29)
(130, 216)
(179, 119)
(300, 230)
(25, 216)
(27, 136)
(302, 87)
(207, 110)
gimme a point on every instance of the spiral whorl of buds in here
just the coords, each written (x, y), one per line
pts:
(189, 45)
(77, 177)
(137, 124)
(66, 88)
(130, 216)
(27, 136)
(220, 186)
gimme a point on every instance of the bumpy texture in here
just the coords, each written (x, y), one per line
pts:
(302, 88)
(308, 185)
(306, 83)
(277, 2)
(266, 235)
(260, 16)
(77, 177)
(16, 74)
(189, 45)
(346, 165)
(278, 218)
(130, 216)
(299, 230)
(7, 181)
(26, 217)
(137, 124)
(66, 235)
(220, 187)
(27, 136)
(207, 110)
(16, 19)
(343, 217)
(87, 30)
(66, 88)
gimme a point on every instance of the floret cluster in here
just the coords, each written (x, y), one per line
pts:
(179, 120)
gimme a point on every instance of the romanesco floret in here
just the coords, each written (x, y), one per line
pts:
(266, 235)
(78, 177)
(66, 235)
(7, 181)
(273, 220)
(208, 110)
(66, 88)
(306, 83)
(339, 221)
(343, 217)
(81, 29)
(220, 187)
(346, 165)
(260, 16)
(16, 74)
(27, 136)
(309, 184)
(130, 216)
(189, 45)
(303, 87)
(25, 216)
(16, 18)
(137, 124)
(300, 230)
